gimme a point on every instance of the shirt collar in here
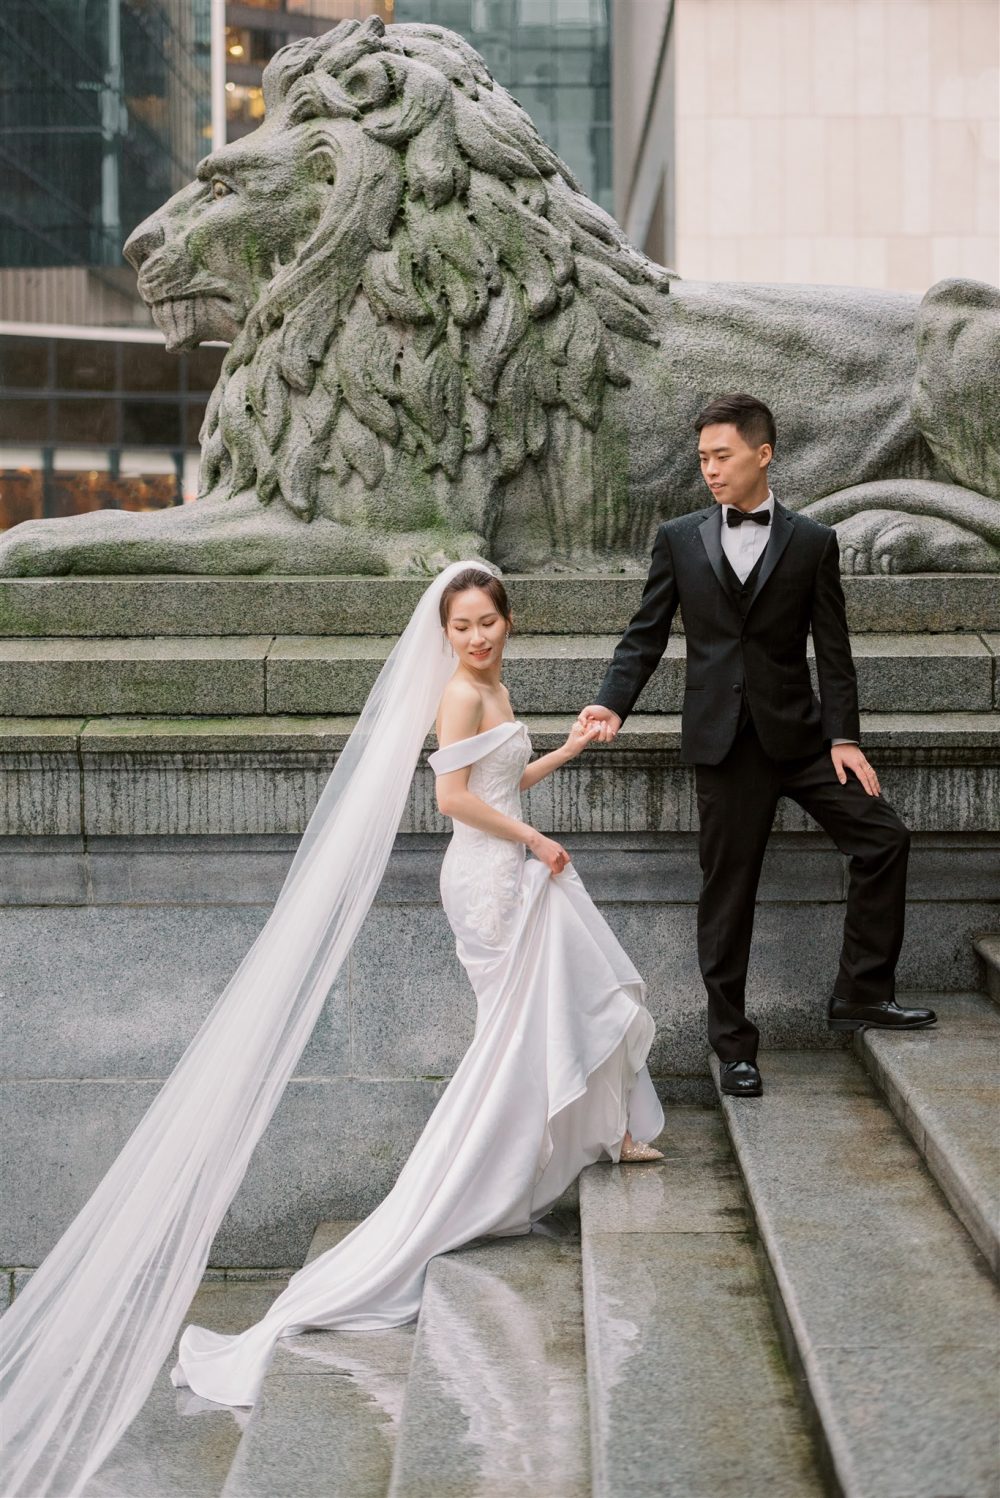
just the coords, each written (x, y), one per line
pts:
(768, 504)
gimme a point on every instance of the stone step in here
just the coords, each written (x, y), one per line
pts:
(312, 674)
(496, 1402)
(943, 1084)
(178, 1443)
(324, 1425)
(690, 1394)
(977, 734)
(564, 604)
(888, 1305)
(987, 949)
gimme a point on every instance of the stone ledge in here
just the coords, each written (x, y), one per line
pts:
(675, 1240)
(499, 1371)
(565, 604)
(347, 1410)
(312, 733)
(291, 674)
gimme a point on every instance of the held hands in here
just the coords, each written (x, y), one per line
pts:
(608, 723)
(850, 757)
(580, 735)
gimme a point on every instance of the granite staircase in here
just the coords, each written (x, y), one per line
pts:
(625, 1348)
(800, 1299)
(873, 1177)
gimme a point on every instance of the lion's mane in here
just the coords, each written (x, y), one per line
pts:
(457, 287)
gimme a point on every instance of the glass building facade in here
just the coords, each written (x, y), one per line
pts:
(105, 111)
(93, 422)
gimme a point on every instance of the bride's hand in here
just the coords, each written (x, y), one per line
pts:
(581, 735)
(552, 854)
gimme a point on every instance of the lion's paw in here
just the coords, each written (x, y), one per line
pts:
(36, 548)
(891, 541)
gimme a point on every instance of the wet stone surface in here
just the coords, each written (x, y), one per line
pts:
(180, 1445)
(690, 1394)
(497, 1403)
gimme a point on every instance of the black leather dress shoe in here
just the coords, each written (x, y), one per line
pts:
(740, 1078)
(888, 1015)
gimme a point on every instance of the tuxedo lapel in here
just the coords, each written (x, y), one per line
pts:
(710, 532)
(782, 525)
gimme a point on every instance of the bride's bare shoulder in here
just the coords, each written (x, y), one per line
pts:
(460, 712)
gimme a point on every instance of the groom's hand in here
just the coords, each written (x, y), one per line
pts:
(609, 722)
(849, 757)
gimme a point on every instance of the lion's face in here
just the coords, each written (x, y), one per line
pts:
(209, 254)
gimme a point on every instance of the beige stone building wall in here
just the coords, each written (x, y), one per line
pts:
(848, 141)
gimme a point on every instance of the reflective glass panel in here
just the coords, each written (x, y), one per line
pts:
(84, 364)
(24, 363)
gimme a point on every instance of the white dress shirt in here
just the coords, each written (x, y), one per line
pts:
(744, 543)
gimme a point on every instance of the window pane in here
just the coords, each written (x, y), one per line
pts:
(23, 420)
(21, 496)
(193, 420)
(151, 423)
(85, 421)
(148, 366)
(24, 362)
(82, 364)
(244, 104)
(204, 366)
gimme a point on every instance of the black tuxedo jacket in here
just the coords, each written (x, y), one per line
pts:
(764, 654)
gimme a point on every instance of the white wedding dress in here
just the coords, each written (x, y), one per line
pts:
(553, 1078)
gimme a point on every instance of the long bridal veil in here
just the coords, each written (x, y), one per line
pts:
(84, 1340)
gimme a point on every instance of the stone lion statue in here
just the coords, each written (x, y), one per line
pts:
(440, 347)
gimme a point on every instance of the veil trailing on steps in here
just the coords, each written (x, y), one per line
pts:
(82, 1343)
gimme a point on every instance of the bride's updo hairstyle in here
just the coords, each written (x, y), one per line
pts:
(476, 577)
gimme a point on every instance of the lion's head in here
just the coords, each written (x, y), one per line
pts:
(403, 266)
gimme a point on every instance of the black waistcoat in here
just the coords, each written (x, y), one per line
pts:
(741, 594)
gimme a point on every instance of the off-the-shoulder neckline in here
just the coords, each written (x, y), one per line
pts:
(484, 733)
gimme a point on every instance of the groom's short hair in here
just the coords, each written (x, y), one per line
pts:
(752, 419)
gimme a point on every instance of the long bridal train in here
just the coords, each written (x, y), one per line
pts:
(556, 1064)
(553, 1078)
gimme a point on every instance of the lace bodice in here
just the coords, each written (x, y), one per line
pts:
(495, 778)
(481, 873)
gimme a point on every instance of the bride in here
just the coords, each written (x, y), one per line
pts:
(555, 1077)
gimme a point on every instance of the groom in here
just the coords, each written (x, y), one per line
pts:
(751, 579)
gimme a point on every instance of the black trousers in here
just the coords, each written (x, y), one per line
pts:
(736, 805)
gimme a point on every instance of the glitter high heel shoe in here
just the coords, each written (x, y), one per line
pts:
(636, 1150)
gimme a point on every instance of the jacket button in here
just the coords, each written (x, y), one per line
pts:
(737, 687)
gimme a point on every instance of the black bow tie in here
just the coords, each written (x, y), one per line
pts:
(737, 517)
